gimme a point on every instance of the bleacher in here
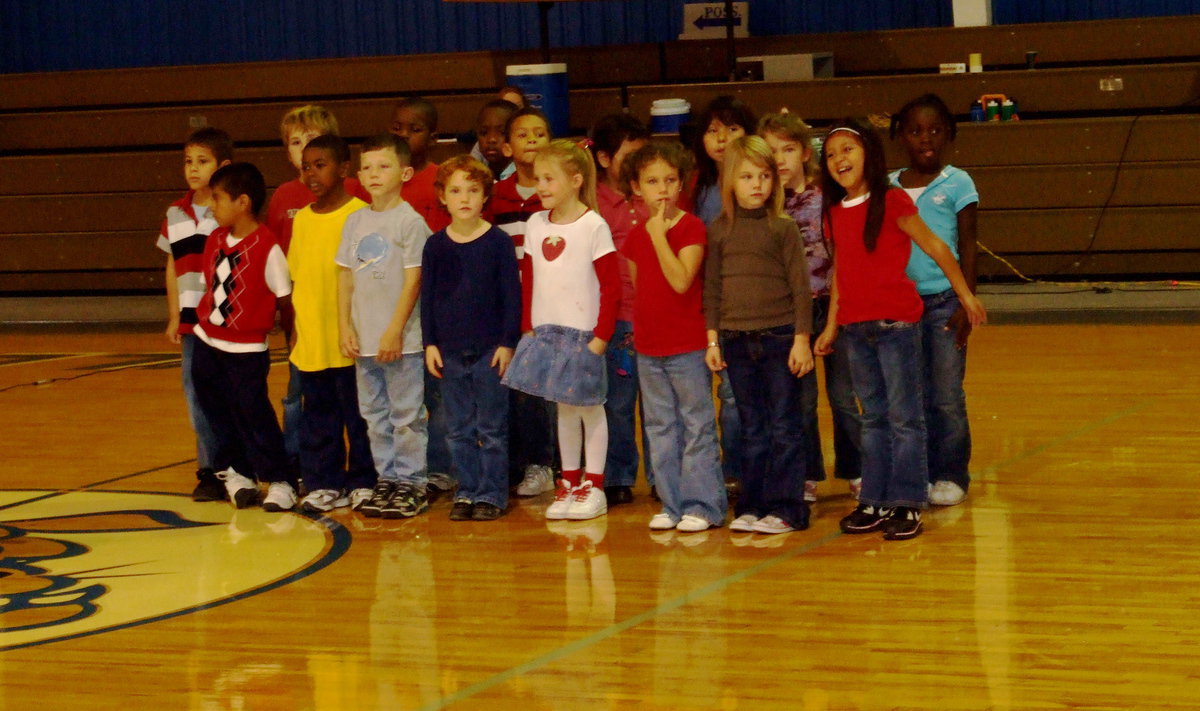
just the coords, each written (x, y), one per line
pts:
(1091, 181)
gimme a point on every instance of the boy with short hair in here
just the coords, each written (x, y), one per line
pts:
(185, 230)
(415, 120)
(247, 281)
(327, 382)
(489, 134)
(532, 420)
(378, 286)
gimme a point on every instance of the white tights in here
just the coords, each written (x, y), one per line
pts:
(582, 429)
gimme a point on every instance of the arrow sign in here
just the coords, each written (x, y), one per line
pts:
(706, 22)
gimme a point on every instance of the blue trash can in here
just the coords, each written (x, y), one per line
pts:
(544, 86)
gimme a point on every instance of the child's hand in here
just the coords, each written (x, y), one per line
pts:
(974, 308)
(656, 225)
(501, 359)
(348, 343)
(391, 344)
(961, 325)
(713, 359)
(597, 345)
(433, 361)
(172, 331)
(800, 358)
(824, 344)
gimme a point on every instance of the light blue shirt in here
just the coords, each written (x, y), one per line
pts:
(939, 206)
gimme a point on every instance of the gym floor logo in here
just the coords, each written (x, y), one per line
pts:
(80, 563)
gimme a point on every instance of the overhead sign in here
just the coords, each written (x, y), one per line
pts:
(706, 20)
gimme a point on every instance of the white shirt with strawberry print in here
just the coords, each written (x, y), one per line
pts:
(566, 290)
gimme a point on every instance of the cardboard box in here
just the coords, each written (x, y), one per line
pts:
(786, 67)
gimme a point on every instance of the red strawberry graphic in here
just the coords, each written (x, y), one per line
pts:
(553, 246)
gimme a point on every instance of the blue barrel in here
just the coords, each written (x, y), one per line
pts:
(544, 86)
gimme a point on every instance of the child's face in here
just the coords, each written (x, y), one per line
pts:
(199, 164)
(718, 136)
(790, 158)
(555, 186)
(924, 136)
(528, 134)
(463, 196)
(382, 174)
(297, 139)
(752, 184)
(409, 124)
(321, 172)
(845, 159)
(490, 131)
(226, 209)
(612, 171)
(659, 185)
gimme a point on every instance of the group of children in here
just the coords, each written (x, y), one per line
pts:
(537, 308)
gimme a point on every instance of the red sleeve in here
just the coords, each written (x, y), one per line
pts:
(898, 204)
(610, 294)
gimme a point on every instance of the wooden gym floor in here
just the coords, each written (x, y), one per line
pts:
(1070, 578)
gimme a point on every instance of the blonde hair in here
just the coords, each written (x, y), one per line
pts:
(793, 128)
(575, 161)
(755, 150)
(311, 116)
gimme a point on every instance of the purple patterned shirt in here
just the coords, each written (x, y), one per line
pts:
(805, 208)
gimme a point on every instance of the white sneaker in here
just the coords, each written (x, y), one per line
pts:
(562, 502)
(692, 524)
(242, 490)
(360, 496)
(946, 493)
(280, 497)
(810, 492)
(772, 524)
(744, 523)
(662, 522)
(856, 487)
(538, 480)
(587, 502)
(323, 500)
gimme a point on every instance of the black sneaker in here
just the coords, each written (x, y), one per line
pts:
(864, 519)
(380, 496)
(618, 495)
(903, 523)
(464, 511)
(484, 511)
(208, 487)
(408, 501)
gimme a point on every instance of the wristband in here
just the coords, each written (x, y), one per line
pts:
(714, 344)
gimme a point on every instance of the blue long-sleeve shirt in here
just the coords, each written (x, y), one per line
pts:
(470, 292)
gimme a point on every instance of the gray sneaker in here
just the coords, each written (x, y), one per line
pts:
(408, 501)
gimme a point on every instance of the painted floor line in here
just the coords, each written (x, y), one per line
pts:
(85, 487)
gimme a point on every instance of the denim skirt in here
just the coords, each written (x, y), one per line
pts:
(554, 363)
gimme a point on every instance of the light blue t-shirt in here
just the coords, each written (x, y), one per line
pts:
(939, 206)
(377, 247)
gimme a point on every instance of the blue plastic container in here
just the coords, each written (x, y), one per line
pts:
(544, 86)
(668, 115)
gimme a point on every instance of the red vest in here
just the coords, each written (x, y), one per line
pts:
(249, 304)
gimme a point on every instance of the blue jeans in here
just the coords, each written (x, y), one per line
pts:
(391, 400)
(206, 438)
(945, 365)
(682, 427)
(291, 414)
(885, 359)
(847, 421)
(328, 419)
(620, 409)
(476, 407)
(773, 444)
(731, 429)
(437, 453)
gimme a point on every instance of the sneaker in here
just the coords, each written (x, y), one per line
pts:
(903, 523)
(281, 496)
(462, 511)
(484, 511)
(692, 524)
(562, 502)
(744, 523)
(856, 487)
(323, 500)
(380, 495)
(772, 524)
(662, 522)
(810, 492)
(586, 502)
(242, 490)
(617, 495)
(408, 501)
(437, 483)
(946, 493)
(538, 480)
(864, 519)
(358, 497)
(208, 487)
